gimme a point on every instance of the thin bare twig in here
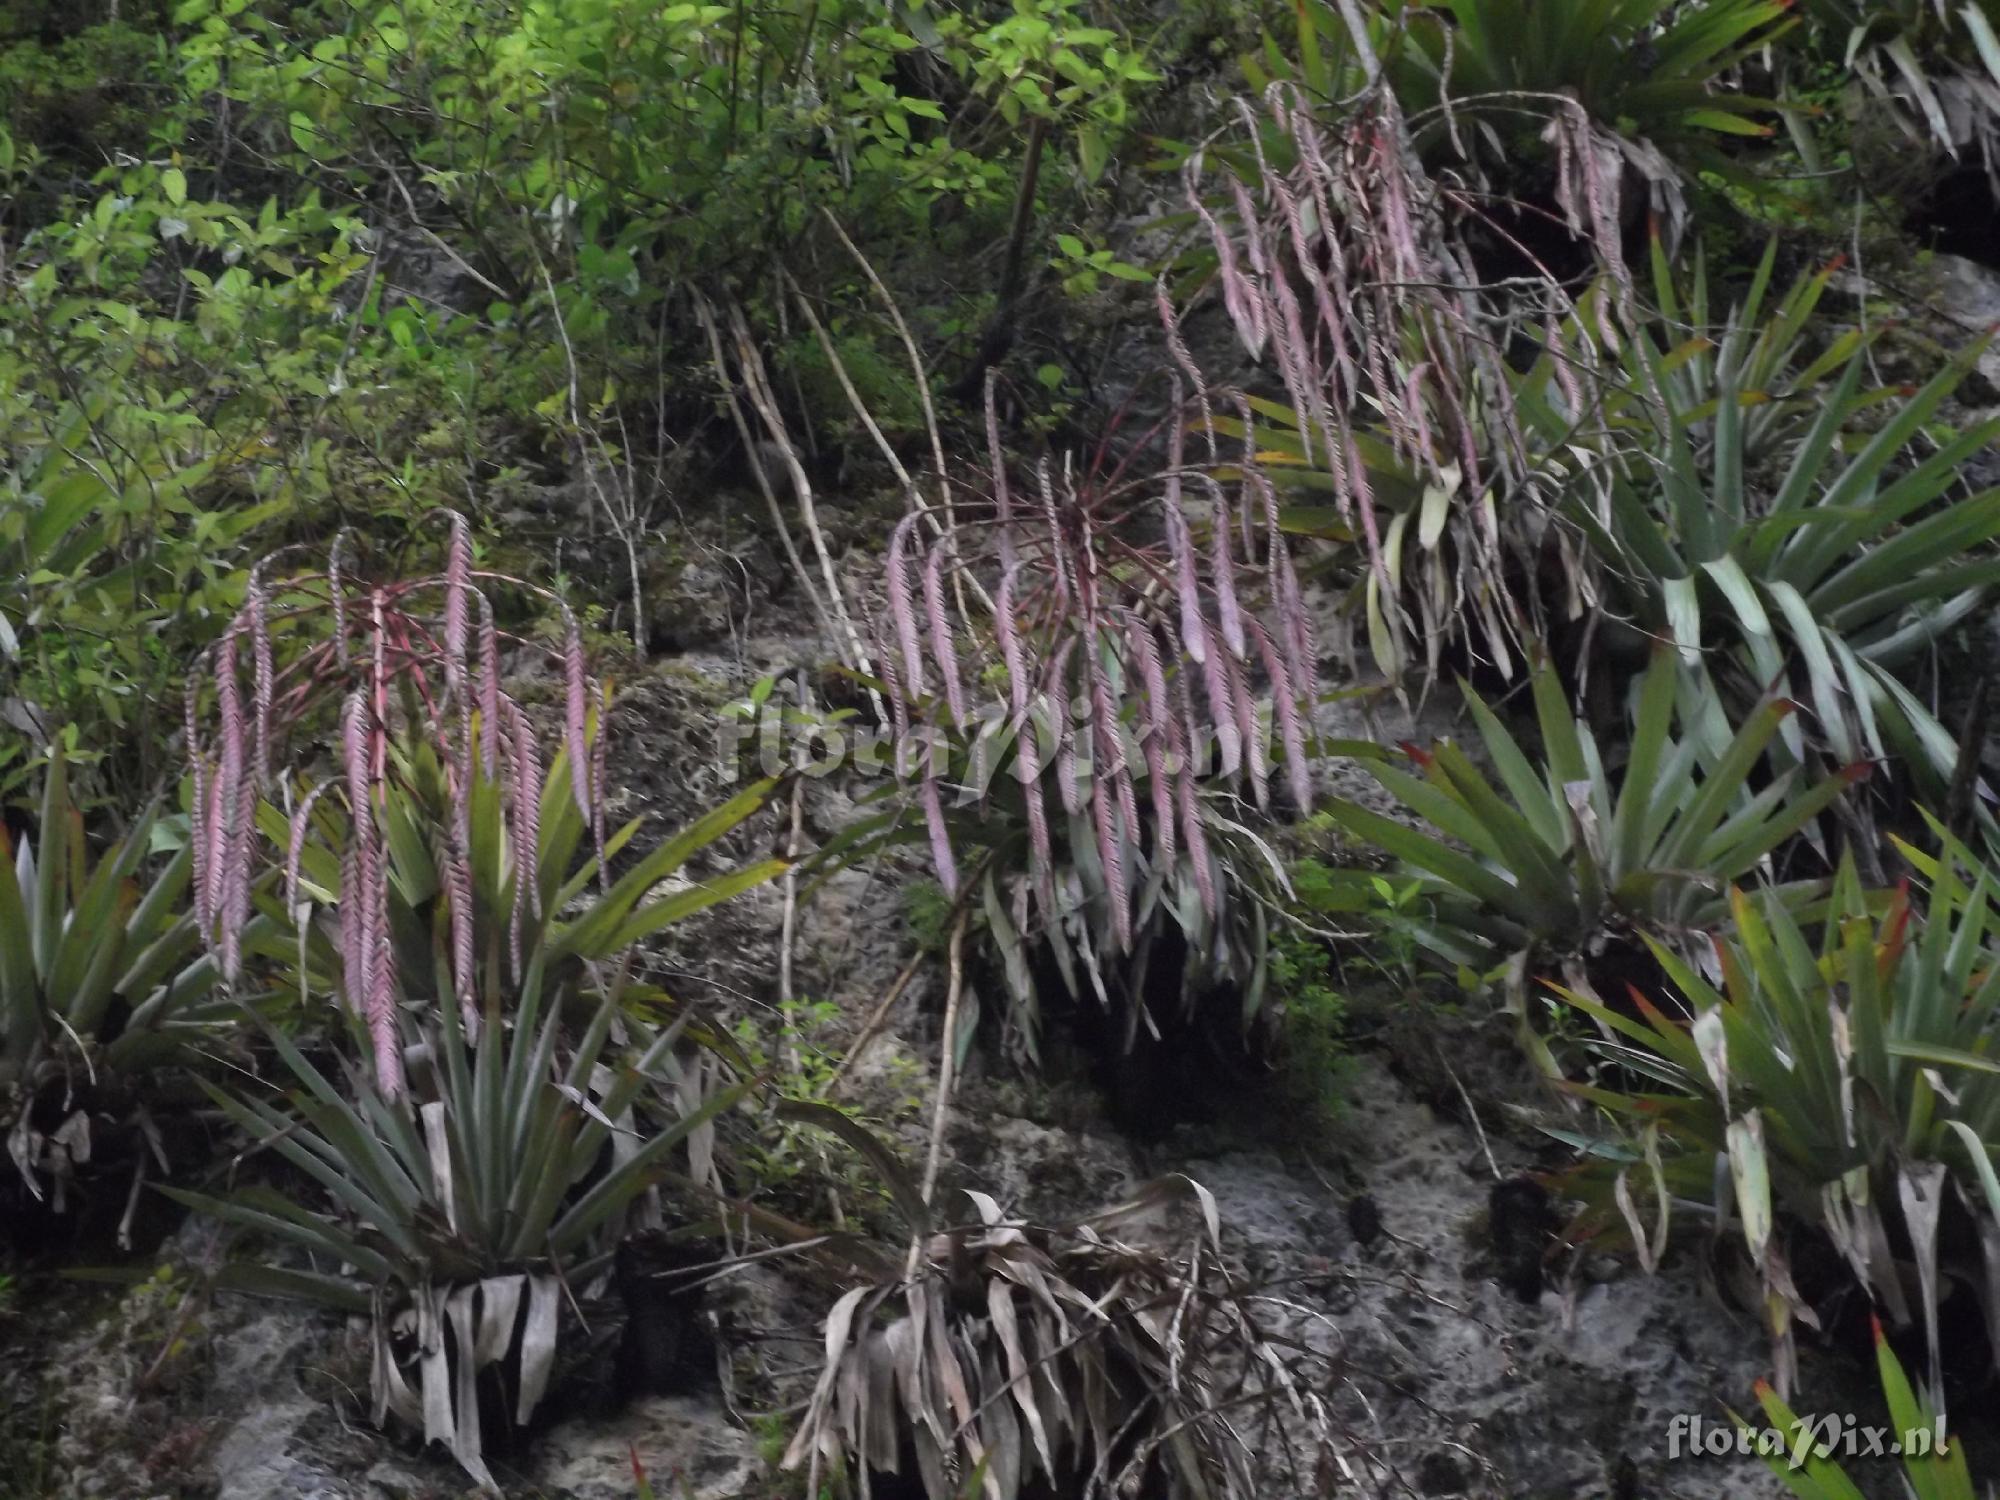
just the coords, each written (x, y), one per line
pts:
(873, 1024)
(756, 385)
(706, 315)
(947, 1065)
(624, 517)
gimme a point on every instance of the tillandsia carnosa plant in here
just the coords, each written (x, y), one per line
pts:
(1121, 632)
(1338, 262)
(1111, 1355)
(387, 658)
(102, 978)
(1348, 265)
(1842, 1077)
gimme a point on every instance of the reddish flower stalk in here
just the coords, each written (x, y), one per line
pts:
(295, 845)
(1360, 296)
(260, 651)
(525, 792)
(357, 897)
(198, 815)
(228, 831)
(364, 648)
(575, 711)
(1107, 598)
(489, 689)
(458, 881)
(457, 591)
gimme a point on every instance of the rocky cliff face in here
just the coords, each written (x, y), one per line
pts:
(1390, 1241)
(1398, 1240)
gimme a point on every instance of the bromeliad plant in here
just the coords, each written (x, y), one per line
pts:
(1850, 1083)
(1348, 265)
(1642, 84)
(1713, 521)
(1200, 950)
(1338, 262)
(1759, 357)
(534, 914)
(102, 977)
(513, 1099)
(1932, 67)
(1086, 1359)
(1484, 79)
(1128, 664)
(1343, 236)
(505, 1158)
(393, 669)
(456, 1211)
(1933, 1464)
(1567, 854)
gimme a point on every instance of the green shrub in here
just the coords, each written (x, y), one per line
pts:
(586, 164)
(788, 1157)
(929, 912)
(177, 381)
(1313, 1056)
(78, 99)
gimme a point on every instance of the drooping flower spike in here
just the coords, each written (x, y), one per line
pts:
(1107, 598)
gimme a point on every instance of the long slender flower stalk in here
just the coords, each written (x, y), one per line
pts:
(1343, 266)
(1107, 596)
(384, 660)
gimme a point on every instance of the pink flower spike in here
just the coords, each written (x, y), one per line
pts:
(295, 847)
(525, 830)
(261, 669)
(457, 594)
(224, 834)
(901, 611)
(943, 648)
(204, 905)
(382, 1018)
(941, 859)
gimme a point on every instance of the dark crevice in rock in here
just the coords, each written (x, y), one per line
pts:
(1959, 214)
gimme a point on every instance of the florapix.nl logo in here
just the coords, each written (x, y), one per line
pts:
(765, 734)
(1829, 1435)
